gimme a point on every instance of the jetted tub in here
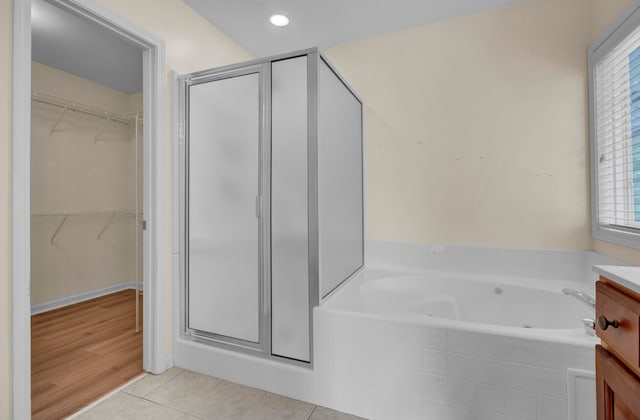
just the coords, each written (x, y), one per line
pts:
(450, 346)
(502, 302)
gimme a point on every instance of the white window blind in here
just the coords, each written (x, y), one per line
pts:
(616, 127)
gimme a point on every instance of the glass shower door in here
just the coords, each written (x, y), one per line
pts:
(224, 203)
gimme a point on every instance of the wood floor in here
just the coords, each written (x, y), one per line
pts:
(81, 352)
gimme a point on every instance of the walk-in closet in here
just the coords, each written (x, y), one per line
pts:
(86, 216)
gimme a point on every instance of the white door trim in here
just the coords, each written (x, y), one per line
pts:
(154, 359)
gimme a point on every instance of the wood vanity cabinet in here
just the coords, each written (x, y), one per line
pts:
(618, 358)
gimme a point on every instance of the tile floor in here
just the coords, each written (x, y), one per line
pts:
(181, 394)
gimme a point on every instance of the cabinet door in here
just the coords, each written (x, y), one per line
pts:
(617, 388)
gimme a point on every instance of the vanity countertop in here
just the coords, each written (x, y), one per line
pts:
(626, 276)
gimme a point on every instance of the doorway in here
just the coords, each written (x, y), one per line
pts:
(86, 212)
(152, 198)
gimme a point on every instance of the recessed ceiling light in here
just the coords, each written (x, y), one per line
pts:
(279, 20)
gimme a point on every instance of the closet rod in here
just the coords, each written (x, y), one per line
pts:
(85, 109)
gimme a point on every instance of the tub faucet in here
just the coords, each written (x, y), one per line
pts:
(583, 297)
(590, 301)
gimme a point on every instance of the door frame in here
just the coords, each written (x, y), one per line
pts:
(154, 270)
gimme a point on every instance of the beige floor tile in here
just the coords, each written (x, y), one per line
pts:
(322, 413)
(142, 387)
(229, 401)
(122, 406)
(184, 390)
(277, 407)
(185, 395)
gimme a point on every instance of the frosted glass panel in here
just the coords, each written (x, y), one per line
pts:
(223, 282)
(339, 180)
(289, 210)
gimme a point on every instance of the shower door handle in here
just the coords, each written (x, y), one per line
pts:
(258, 206)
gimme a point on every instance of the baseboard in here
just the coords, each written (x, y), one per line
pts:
(81, 297)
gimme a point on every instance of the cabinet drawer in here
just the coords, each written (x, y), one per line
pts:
(625, 339)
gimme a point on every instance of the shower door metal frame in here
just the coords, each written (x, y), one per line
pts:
(263, 66)
(263, 206)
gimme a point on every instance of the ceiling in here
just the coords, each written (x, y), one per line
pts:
(324, 22)
(70, 43)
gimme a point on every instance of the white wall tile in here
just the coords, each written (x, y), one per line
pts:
(434, 409)
(552, 408)
(491, 372)
(409, 358)
(482, 345)
(387, 382)
(459, 341)
(434, 361)
(434, 338)
(490, 398)
(521, 404)
(385, 353)
(492, 415)
(552, 382)
(460, 391)
(521, 377)
(460, 412)
(398, 406)
(409, 383)
(433, 387)
(461, 366)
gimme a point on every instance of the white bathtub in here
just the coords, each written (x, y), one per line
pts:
(506, 304)
(450, 346)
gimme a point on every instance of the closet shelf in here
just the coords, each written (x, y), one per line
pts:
(82, 213)
(67, 104)
(112, 213)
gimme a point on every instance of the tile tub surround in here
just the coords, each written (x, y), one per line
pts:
(381, 367)
(388, 369)
(179, 394)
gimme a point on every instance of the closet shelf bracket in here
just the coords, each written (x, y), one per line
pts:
(55, 124)
(64, 219)
(103, 127)
(106, 225)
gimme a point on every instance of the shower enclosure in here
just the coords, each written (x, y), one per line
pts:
(271, 200)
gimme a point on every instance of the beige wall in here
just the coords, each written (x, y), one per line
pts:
(5, 209)
(71, 173)
(476, 127)
(191, 44)
(604, 12)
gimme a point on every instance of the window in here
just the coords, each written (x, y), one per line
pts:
(614, 74)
